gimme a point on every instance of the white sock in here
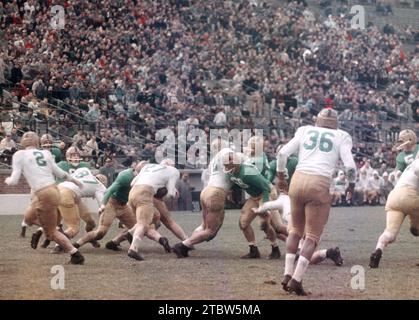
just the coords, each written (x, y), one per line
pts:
(135, 245)
(289, 264)
(384, 240)
(73, 251)
(321, 253)
(251, 243)
(187, 243)
(274, 244)
(24, 224)
(199, 229)
(301, 268)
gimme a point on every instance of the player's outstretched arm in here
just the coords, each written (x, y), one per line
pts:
(16, 169)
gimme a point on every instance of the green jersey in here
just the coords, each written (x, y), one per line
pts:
(261, 163)
(405, 158)
(56, 154)
(120, 188)
(291, 165)
(70, 168)
(251, 180)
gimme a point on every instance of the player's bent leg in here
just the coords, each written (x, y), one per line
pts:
(86, 216)
(394, 222)
(414, 223)
(141, 198)
(105, 222)
(167, 220)
(246, 217)
(127, 218)
(69, 211)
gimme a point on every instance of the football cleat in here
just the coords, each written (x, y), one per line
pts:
(134, 255)
(165, 243)
(35, 238)
(112, 246)
(334, 255)
(375, 258)
(275, 253)
(297, 287)
(181, 250)
(285, 281)
(253, 253)
(45, 244)
(23, 232)
(77, 258)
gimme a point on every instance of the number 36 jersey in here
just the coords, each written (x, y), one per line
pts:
(38, 167)
(319, 150)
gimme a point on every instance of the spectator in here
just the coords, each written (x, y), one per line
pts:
(108, 170)
(7, 148)
(185, 193)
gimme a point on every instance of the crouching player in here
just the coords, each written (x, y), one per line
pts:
(141, 197)
(71, 205)
(212, 198)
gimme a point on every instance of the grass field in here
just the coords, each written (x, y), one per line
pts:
(214, 270)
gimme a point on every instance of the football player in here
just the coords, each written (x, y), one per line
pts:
(40, 171)
(319, 149)
(141, 197)
(212, 198)
(402, 201)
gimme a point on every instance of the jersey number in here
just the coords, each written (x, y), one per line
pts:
(40, 160)
(81, 174)
(326, 144)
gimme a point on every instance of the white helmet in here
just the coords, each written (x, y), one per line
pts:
(407, 140)
(73, 156)
(47, 141)
(29, 139)
(168, 162)
(327, 118)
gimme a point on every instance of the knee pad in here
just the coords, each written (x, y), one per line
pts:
(414, 231)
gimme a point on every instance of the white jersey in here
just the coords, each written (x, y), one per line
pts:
(92, 187)
(282, 204)
(319, 150)
(410, 176)
(158, 176)
(217, 177)
(38, 167)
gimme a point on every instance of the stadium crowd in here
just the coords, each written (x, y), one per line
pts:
(120, 70)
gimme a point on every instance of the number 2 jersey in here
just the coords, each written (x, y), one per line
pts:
(92, 187)
(38, 167)
(319, 150)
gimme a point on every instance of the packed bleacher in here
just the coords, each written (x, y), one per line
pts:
(121, 70)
